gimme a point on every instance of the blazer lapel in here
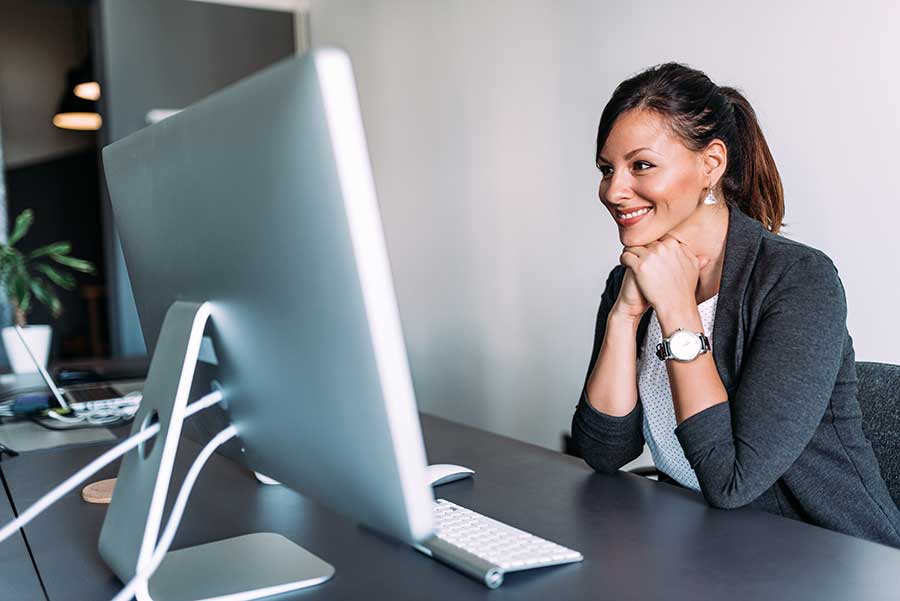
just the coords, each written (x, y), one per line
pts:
(741, 248)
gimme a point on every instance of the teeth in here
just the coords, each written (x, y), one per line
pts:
(635, 214)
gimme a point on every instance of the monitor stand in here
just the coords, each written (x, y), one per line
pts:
(250, 566)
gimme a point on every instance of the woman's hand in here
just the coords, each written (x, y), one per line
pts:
(631, 303)
(665, 271)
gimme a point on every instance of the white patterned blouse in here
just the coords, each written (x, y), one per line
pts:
(656, 398)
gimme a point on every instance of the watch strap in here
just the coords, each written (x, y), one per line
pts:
(664, 351)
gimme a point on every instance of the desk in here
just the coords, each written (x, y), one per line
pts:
(17, 574)
(641, 539)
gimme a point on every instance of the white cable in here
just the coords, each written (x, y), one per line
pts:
(44, 374)
(142, 577)
(80, 476)
(203, 402)
(64, 418)
(96, 465)
(105, 414)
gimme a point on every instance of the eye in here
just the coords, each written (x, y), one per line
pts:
(606, 169)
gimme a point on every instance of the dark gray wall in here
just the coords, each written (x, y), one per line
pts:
(168, 54)
(5, 317)
(39, 42)
(64, 194)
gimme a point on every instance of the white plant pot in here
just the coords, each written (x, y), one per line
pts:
(38, 339)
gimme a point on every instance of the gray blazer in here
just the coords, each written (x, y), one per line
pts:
(789, 440)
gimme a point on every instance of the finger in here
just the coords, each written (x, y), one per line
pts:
(688, 255)
(684, 248)
(671, 242)
(629, 259)
(674, 243)
(663, 244)
(638, 251)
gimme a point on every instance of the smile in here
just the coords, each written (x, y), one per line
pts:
(633, 217)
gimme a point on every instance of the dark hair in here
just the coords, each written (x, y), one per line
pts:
(698, 111)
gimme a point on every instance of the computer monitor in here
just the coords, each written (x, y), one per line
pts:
(257, 206)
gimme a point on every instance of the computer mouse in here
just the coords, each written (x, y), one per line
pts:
(442, 473)
(265, 479)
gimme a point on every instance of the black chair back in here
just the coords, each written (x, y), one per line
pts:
(879, 400)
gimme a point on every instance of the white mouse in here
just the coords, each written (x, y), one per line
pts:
(442, 473)
(265, 479)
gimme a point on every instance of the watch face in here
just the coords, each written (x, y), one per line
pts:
(684, 345)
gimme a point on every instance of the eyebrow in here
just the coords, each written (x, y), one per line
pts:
(630, 154)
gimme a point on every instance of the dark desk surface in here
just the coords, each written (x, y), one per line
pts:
(640, 539)
(16, 570)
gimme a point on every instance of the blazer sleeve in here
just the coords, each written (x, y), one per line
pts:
(740, 448)
(606, 442)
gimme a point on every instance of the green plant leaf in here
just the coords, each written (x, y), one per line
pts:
(23, 223)
(57, 248)
(12, 266)
(73, 263)
(25, 304)
(42, 293)
(18, 288)
(63, 280)
(7, 264)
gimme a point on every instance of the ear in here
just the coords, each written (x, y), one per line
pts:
(715, 161)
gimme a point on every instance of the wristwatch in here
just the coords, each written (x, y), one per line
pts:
(683, 345)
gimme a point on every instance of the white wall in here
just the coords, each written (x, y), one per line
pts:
(481, 119)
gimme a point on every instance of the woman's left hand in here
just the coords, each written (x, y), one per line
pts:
(666, 271)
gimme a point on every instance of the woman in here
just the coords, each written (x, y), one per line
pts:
(752, 398)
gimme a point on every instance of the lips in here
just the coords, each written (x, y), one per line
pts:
(633, 220)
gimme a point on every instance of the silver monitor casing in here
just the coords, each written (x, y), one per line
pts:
(258, 203)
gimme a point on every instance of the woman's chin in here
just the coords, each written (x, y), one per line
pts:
(630, 239)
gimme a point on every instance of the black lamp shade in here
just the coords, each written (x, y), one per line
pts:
(83, 83)
(74, 112)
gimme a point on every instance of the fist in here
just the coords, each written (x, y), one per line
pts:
(631, 302)
(666, 271)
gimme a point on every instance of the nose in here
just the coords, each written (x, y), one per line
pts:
(617, 188)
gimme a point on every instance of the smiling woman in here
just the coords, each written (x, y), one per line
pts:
(720, 343)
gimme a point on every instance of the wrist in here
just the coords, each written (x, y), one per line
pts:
(670, 319)
(617, 318)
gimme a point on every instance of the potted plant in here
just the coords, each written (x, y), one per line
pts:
(30, 277)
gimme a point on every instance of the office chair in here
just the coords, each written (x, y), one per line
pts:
(879, 400)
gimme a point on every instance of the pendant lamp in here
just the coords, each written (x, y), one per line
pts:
(78, 105)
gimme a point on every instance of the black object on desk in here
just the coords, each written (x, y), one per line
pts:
(5, 450)
(640, 539)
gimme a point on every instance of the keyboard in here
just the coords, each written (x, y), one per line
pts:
(486, 549)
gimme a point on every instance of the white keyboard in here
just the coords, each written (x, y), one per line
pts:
(485, 548)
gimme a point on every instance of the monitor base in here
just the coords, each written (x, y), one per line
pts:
(246, 567)
(251, 566)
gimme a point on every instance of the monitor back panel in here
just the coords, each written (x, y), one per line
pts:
(237, 200)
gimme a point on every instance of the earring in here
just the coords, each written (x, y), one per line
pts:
(710, 198)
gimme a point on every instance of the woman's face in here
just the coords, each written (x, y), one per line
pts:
(643, 165)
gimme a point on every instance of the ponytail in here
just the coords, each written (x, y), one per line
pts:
(754, 183)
